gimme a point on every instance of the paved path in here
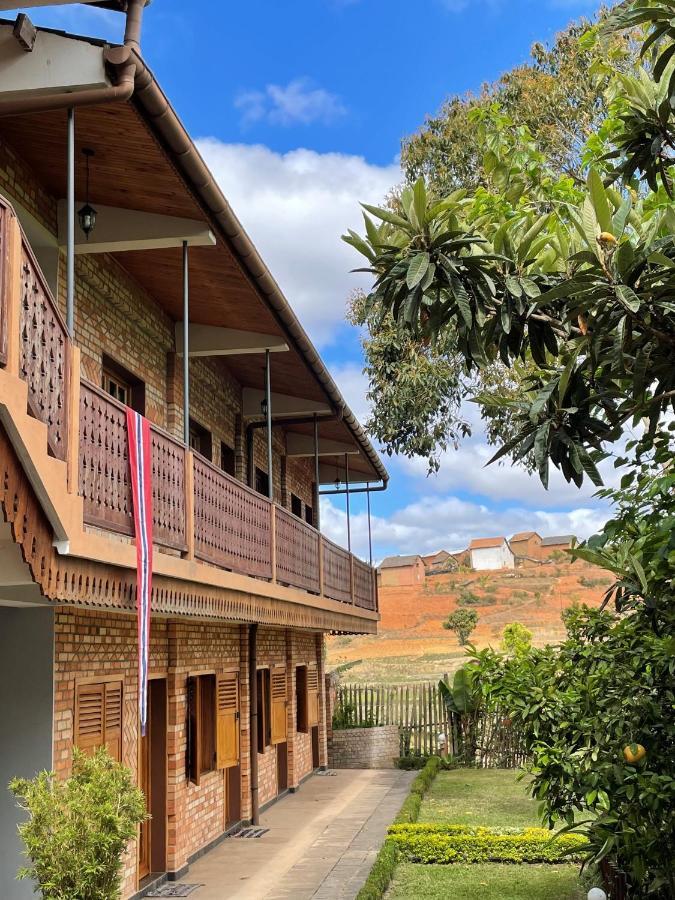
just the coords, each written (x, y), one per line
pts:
(321, 843)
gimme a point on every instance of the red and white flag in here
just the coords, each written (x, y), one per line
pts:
(140, 461)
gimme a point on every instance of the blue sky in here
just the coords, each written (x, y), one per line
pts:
(299, 108)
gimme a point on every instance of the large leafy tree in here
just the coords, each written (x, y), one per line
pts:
(577, 285)
(524, 142)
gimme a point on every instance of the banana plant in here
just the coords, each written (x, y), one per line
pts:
(463, 701)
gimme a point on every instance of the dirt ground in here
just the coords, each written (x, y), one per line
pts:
(412, 645)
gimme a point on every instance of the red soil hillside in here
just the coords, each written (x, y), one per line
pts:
(412, 643)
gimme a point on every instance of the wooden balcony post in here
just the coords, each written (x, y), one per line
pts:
(189, 503)
(73, 412)
(273, 541)
(13, 295)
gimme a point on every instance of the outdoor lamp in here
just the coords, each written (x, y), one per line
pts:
(597, 894)
(87, 214)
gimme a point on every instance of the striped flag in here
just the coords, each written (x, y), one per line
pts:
(140, 462)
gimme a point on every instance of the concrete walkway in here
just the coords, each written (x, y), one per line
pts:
(321, 841)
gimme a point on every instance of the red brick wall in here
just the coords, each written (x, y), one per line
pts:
(91, 645)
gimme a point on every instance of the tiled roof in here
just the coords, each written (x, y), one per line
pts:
(524, 535)
(557, 539)
(484, 543)
(394, 562)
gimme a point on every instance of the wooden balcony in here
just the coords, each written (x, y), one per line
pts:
(199, 512)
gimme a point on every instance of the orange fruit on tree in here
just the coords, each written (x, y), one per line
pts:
(633, 753)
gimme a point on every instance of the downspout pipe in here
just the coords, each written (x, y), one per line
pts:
(253, 719)
(119, 59)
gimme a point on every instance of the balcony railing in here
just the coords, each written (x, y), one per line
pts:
(197, 509)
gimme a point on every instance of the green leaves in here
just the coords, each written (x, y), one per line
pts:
(417, 269)
(599, 201)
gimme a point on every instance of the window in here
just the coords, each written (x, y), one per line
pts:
(264, 710)
(262, 482)
(98, 717)
(296, 506)
(309, 514)
(313, 695)
(301, 717)
(200, 439)
(201, 697)
(123, 385)
(226, 458)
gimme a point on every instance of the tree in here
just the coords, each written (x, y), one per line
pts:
(516, 639)
(524, 139)
(78, 828)
(607, 687)
(579, 286)
(462, 622)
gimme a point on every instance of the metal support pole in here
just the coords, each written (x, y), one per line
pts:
(186, 346)
(70, 230)
(349, 524)
(370, 532)
(317, 502)
(268, 401)
(253, 719)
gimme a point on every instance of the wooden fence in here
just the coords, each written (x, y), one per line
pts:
(425, 724)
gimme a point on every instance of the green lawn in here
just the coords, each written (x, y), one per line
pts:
(492, 797)
(479, 797)
(489, 881)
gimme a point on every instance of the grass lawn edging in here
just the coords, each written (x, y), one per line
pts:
(382, 871)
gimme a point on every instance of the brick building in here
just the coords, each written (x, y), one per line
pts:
(399, 571)
(526, 545)
(244, 584)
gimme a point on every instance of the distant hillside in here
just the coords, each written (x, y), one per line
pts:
(412, 645)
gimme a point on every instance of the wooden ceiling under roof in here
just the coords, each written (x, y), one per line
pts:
(131, 170)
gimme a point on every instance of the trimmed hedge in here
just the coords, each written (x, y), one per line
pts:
(442, 844)
(381, 874)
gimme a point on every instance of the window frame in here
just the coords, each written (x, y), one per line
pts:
(113, 371)
(301, 700)
(227, 453)
(201, 751)
(296, 505)
(201, 439)
(264, 708)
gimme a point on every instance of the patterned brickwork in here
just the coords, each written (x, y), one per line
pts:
(92, 645)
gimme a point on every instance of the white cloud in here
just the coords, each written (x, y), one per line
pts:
(445, 522)
(298, 102)
(295, 206)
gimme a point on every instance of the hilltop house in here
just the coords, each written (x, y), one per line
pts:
(491, 553)
(127, 282)
(555, 544)
(401, 571)
(526, 544)
(439, 562)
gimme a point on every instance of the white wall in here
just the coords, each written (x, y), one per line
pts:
(26, 710)
(492, 558)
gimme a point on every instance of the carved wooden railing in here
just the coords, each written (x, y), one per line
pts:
(337, 579)
(221, 520)
(44, 347)
(233, 524)
(297, 552)
(365, 589)
(104, 478)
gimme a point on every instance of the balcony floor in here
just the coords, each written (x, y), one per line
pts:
(321, 844)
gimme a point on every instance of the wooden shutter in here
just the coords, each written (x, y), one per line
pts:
(193, 748)
(98, 717)
(113, 719)
(279, 721)
(301, 717)
(313, 695)
(89, 716)
(227, 733)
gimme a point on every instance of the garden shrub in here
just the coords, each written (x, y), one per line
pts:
(78, 828)
(442, 844)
